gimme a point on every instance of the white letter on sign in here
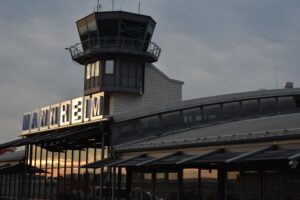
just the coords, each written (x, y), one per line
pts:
(97, 101)
(77, 109)
(65, 113)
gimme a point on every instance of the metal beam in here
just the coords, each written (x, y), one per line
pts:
(295, 157)
(251, 153)
(159, 158)
(126, 160)
(198, 156)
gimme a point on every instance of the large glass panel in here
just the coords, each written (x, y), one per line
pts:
(136, 185)
(32, 175)
(272, 185)
(209, 184)
(250, 107)
(92, 28)
(147, 186)
(125, 73)
(83, 32)
(192, 116)
(128, 129)
(293, 185)
(123, 182)
(48, 175)
(171, 120)
(133, 29)
(268, 105)
(132, 75)
(75, 175)
(286, 104)
(231, 110)
(251, 185)
(55, 175)
(173, 186)
(160, 186)
(84, 176)
(212, 112)
(233, 185)
(190, 184)
(36, 179)
(67, 175)
(108, 27)
(150, 124)
(109, 67)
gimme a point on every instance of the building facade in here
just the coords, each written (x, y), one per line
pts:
(132, 137)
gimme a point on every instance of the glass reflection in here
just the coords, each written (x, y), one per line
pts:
(209, 184)
(160, 186)
(190, 184)
(233, 185)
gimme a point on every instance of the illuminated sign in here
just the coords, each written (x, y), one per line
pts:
(80, 110)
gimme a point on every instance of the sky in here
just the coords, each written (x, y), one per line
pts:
(214, 46)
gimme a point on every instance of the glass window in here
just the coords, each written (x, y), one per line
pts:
(109, 67)
(171, 120)
(133, 29)
(293, 185)
(231, 110)
(136, 185)
(83, 31)
(150, 124)
(212, 112)
(132, 74)
(128, 129)
(209, 184)
(250, 107)
(268, 105)
(160, 186)
(190, 184)
(272, 185)
(108, 27)
(286, 104)
(192, 116)
(147, 186)
(97, 68)
(251, 185)
(92, 28)
(233, 185)
(173, 186)
(88, 71)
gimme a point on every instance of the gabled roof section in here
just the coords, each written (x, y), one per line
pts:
(164, 75)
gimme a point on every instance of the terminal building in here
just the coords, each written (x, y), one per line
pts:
(131, 137)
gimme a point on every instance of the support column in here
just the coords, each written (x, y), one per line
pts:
(221, 183)
(102, 168)
(180, 184)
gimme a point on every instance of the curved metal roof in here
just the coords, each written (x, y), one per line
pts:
(207, 101)
(258, 129)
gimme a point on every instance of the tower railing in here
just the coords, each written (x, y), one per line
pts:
(115, 44)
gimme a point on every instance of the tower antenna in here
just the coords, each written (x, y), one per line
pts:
(98, 6)
(139, 6)
(276, 78)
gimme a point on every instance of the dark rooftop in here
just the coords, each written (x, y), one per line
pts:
(259, 129)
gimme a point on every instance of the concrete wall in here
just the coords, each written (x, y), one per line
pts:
(158, 90)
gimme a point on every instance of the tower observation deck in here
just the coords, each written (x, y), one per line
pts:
(114, 47)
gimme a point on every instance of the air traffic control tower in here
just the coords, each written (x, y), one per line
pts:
(117, 53)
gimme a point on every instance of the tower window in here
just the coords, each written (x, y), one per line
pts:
(88, 71)
(109, 67)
